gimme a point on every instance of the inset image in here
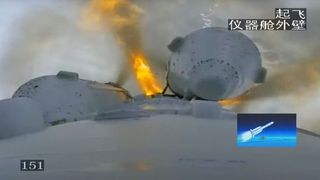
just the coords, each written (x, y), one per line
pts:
(266, 130)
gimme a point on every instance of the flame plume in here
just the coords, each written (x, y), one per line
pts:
(144, 75)
(123, 17)
(232, 101)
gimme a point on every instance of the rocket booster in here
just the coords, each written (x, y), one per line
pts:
(246, 136)
(259, 129)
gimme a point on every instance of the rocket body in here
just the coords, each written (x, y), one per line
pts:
(259, 129)
(267, 125)
(246, 136)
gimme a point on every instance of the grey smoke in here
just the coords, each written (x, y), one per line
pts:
(45, 40)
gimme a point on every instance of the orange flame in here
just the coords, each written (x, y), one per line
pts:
(230, 102)
(144, 75)
(122, 17)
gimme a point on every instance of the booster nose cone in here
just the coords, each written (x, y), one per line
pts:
(267, 125)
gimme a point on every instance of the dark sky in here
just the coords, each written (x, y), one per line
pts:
(283, 123)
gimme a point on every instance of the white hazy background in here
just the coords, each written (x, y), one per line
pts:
(42, 37)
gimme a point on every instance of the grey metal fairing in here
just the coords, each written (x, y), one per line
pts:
(66, 98)
(213, 64)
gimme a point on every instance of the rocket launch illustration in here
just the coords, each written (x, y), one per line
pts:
(246, 136)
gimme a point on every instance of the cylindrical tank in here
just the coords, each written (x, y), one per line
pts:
(213, 64)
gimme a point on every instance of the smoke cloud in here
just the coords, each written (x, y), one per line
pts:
(42, 41)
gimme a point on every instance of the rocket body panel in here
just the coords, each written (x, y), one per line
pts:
(163, 146)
